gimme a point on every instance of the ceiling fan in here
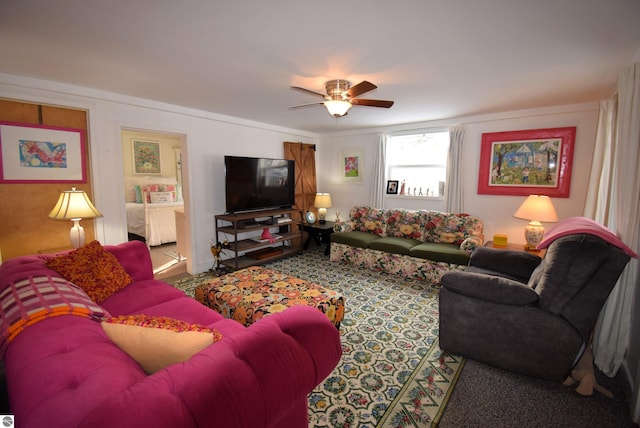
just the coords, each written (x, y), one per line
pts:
(341, 96)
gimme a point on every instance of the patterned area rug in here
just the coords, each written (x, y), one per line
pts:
(392, 373)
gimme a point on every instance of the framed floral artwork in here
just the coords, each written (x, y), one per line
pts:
(146, 157)
(531, 162)
(352, 166)
(41, 154)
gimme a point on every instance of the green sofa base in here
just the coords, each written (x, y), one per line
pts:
(355, 239)
(434, 251)
(391, 263)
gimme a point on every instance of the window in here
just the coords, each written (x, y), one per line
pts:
(419, 162)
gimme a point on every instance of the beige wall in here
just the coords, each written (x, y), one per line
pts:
(168, 144)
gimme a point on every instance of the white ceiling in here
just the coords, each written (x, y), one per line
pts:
(436, 58)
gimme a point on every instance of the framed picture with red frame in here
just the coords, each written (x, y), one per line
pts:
(530, 162)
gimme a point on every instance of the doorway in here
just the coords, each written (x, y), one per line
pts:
(156, 194)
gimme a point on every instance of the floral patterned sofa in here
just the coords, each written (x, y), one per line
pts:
(421, 244)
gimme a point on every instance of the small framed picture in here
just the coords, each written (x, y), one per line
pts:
(146, 157)
(352, 166)
(392, 187)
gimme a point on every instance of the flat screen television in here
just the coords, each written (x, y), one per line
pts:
(258, 183)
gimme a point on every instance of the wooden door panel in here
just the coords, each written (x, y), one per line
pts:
(304, 157)
(292, 152)
(308, 176)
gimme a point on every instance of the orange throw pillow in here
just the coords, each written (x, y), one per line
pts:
(92, 268)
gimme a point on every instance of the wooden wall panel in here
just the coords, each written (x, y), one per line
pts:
(24, 225)
(12, 111)
(58, 116)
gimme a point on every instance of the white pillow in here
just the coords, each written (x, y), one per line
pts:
(157, 180)
(161, 197)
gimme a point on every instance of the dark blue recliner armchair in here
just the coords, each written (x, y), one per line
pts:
(515, 311)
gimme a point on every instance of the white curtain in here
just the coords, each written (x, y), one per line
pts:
(599, 191)
(614, 201)
(378, 185)
(454, 196)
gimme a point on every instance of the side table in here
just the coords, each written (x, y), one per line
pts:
(320, 233)
(516, 247)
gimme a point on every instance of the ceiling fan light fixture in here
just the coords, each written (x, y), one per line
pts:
(337, 108)
(341, 96)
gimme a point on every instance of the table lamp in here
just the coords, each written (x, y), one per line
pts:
(536, 208)
(322, 202)
(74, 205)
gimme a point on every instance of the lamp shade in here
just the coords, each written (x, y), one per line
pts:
(537, 207)
(323, 200)
(74, 204)
(337, 108)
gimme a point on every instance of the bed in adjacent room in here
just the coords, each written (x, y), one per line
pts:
(151, 208)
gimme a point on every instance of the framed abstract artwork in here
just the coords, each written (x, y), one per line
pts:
(41, 154)
(522, 163)
(146, 157)
(352, 166)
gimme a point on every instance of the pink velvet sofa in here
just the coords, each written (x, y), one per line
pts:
(64, 371)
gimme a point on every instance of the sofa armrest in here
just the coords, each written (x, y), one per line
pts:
(490, 288)
(471, 243)
(256, 377)
(513, 263)
(343, 226)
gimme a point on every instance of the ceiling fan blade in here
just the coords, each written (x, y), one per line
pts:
(307, 91)
(361, 88)
(305, 105)
(372, 103)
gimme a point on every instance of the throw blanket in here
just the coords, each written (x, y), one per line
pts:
(28, 301)
(573, 225)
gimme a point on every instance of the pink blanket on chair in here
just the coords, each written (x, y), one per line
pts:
(573, 225)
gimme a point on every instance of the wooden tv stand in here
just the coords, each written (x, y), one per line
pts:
(243, 233)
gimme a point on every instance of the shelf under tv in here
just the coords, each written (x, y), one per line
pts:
(243, 233)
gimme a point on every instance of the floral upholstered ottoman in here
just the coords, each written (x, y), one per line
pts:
(255, 292)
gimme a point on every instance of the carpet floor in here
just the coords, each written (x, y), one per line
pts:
(393, 373)
(488, 397)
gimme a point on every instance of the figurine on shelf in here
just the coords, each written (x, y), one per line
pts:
(215, 252)
(266, 234)
(402, 187)
(337, 217)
